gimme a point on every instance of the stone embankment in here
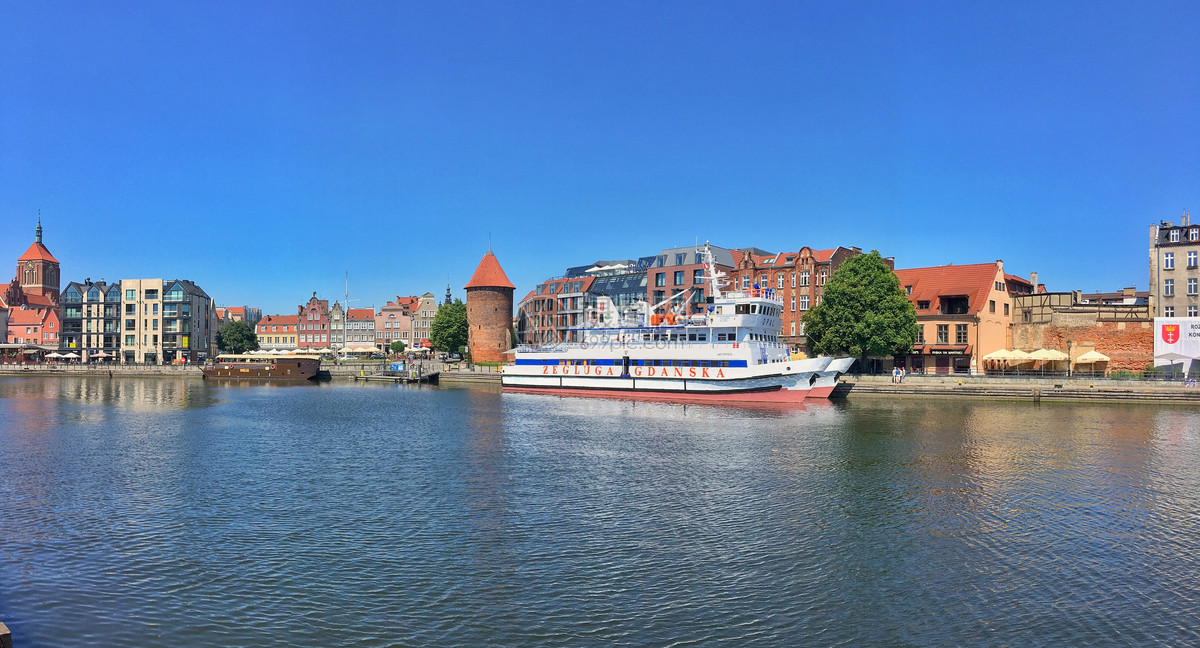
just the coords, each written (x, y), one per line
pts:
(1031, 389)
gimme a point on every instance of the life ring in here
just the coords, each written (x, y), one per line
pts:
(271, 368)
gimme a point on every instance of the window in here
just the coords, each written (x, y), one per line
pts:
(1174, 236)
(152, 293)
(922, 304)
(943, 333)
(824, 276)
(660, 261)
(793, 280)
(1192, 259)
(129, 340)
(920, 334)
(1194, 234)
(679, 259)
(660, 279)
(1006, 310)
(679, 277)
(1192, 286)
(991, 305)
(1168, 261)
(908, 290)
(960, 333)
(779, 280)
(130, 295)
(1193, 311)
(697, 276)
(803, 302)
(1168, 287)
(1168, 311)
(793, 303)
(804, 277)
(745, 282)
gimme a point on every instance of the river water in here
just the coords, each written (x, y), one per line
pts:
(177, 512)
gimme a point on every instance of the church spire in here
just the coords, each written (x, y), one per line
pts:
(37, 233)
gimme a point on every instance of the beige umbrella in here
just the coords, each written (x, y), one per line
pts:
(1002, 354)
(1090, 357)
(1050, 355)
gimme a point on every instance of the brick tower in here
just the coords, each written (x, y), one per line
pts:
(37, 272)
(489, 311)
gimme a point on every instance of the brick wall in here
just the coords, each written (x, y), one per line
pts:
(1130, 344)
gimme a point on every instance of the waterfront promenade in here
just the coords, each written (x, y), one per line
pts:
(852, 386)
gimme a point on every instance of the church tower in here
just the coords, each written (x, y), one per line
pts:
(38, 272)
(489, 311)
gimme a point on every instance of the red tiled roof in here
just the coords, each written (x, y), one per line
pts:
(822, 256)
(279, 320)
(38, 301)
(975, 281)
(1016, 279)
(26, 317)
(489, 274)
(360, 313)
(37, 252)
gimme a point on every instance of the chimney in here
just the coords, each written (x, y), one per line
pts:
(1129, 292)
(1033, 280)
(1187, 218)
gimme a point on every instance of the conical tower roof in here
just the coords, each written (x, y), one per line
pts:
(489, 274)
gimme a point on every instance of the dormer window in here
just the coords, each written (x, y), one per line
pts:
(1194, 234)
(908, 290)
(1174, 236)
(923, 304)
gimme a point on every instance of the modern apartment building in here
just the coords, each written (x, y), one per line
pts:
(91, 320)
(678, 275)
(1174, 270)
(163, 322)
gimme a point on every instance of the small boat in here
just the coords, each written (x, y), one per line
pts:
(730, 352)
(253, 367)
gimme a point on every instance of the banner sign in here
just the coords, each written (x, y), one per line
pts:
(1176, 340)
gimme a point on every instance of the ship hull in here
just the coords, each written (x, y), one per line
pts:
(281, 370)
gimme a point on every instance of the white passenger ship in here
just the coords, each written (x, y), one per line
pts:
(731, 352)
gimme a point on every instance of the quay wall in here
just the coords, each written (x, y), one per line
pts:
(1024, 388)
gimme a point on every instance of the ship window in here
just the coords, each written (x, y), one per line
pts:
(703, 337)
(691, 337)
(724, 363)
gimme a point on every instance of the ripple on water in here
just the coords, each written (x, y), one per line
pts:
(193, 514)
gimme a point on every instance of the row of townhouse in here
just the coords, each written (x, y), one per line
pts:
(319, 325)
(150, 321)
(964, 312)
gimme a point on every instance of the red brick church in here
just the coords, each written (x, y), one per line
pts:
(31, 298)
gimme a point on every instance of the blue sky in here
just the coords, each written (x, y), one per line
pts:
(266, 149)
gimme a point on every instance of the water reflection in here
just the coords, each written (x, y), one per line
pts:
(191, 513)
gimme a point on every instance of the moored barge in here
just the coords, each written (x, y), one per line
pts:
(273, 368)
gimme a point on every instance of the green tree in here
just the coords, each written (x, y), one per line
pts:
(863, 312)
(397, 347)
(448, 332)
(237, 337)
